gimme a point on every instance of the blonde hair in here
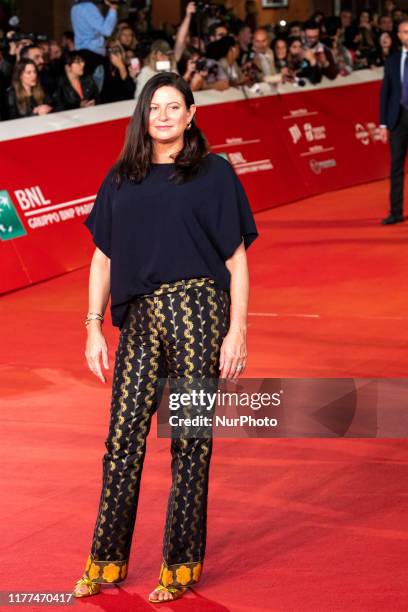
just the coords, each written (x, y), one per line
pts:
(151, 61)
(115, 42)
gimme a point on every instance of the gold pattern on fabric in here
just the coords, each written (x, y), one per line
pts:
(175, 332)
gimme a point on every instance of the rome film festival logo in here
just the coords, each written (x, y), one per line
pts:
(317, 166)
(295, 132)
(362, 134)
(367, 133)
(310, 132)
(10, 223)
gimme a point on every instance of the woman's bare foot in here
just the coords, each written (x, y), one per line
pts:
(81, 590)
(160, 595)
(85, 587)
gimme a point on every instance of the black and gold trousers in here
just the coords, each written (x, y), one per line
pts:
(174, 332)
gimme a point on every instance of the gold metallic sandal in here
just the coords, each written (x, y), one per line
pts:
(93, 587)
(176, 593)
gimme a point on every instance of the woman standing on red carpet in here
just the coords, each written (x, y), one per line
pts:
(171, 223)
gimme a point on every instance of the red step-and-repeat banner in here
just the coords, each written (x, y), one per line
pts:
(283, 147)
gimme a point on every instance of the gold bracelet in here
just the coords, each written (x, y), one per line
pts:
(93, 316)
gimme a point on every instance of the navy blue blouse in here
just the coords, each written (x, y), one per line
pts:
(156, 231)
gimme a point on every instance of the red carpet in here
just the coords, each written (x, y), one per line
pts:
(300, 524)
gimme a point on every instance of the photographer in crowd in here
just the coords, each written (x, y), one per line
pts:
(16, 42)
(118, 83)
(225, 52)
(90, 32)
(323, 54)
(302, 62)
(161, 57)
(193, 68)
(210, 49)
(183, 37)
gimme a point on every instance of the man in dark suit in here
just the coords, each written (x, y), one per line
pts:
(394, 121)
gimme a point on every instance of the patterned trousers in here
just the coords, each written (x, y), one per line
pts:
(174, 332)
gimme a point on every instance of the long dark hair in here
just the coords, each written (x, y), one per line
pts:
(134, 161)
(21, 94)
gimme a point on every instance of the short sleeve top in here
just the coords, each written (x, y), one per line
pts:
(156, 231)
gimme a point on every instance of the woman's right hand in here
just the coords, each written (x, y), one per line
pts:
(96, 348)
(42, 109)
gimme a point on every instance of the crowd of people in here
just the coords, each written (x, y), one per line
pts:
(105, 59)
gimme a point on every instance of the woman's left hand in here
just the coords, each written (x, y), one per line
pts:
(233, 353)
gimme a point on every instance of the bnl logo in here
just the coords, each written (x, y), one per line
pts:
(10, 222)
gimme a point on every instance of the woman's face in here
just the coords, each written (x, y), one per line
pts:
(385, 40)
(364, 18)
(295, 48)
(280, 49)
(161, 57)
(169, 116)
(126, 37)
(114, 49)
(77, 67)
(29, 76)
(233, 54)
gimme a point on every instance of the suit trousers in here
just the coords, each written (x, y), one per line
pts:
(398, 149)
(175, 332)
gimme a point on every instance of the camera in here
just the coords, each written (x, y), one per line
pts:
(202, 6)
(299, 82)
(209, 65)
(163, 66)
(19, 36)
(206, 7)
(34, 38)
(114, 50)
(201, 64)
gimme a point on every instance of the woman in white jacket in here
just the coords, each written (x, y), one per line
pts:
(161, 57)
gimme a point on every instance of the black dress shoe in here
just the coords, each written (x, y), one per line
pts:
(392, 219)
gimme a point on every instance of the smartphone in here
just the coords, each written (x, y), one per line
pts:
(135, 63)
(163, 65)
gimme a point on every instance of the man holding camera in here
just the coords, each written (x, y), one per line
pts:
(324, 57)
(90, 30)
